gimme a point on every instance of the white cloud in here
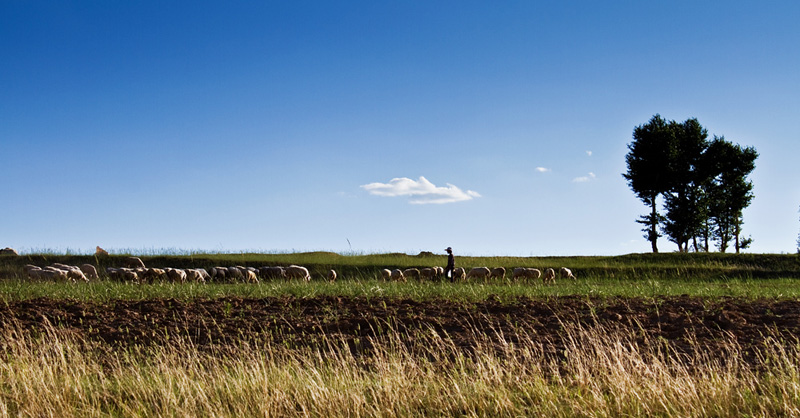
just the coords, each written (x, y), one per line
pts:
(589, 153)
(421, 191)
(584, 179)
(543, 169)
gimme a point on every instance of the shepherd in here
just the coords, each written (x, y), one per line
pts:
(451, 264)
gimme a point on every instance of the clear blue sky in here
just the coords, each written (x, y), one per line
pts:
(497, 128)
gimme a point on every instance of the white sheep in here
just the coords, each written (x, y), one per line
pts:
(176, 275)
(498, 273)
(89, 270)
(194, 275)
(412, 273)
(204, 274)
(32, 271)
(428, 273)
(155, 273)
(526, 272)
(130, 275)
(52, 274)
(549, 276)
(566, 273)
(76, 274)
(398, 275)
(459, 273)
(331, 275)
(298, 272)
(386, 274)
(249, 276)
(479, 273)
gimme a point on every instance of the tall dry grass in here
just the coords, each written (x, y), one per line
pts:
(595, 373)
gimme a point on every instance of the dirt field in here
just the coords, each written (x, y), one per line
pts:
(687, 323)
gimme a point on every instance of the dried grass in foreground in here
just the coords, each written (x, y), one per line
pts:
(600, 373)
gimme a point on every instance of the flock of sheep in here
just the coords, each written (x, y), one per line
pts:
(136, 272)
(460, 273)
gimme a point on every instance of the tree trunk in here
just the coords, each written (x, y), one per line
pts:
(654, 225)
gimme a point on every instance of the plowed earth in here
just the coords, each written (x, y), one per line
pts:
(687, 323)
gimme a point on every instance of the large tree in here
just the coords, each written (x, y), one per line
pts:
(648, 162)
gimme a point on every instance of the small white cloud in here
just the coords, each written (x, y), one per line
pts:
(589, 153)
(421, 191)
(584, 179)
(543, 169)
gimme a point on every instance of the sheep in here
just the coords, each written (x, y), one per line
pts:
(549, 276)
(8, 251)
(566, 273)
(153, 273)
(386, 274)
(204, 274)
(194, 275)
(219, 273)
(53, 274)
(459, 273)
(28, 267)
(114, 273)
(133, 262)
(498, 273)
(479, 272)
(331, 275)
(411, 273)
(428, 273)
(298, 272)
(176, 275)
(249, 276)
(523, 272)
(272, 272)
(130, 275)
(90, 271)
(235, 273)
(32, 271)
(397, 274)
(77, 274)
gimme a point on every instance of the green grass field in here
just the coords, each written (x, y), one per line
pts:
(599, 371)
(635, 275)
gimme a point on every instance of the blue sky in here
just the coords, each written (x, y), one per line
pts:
(497, 128)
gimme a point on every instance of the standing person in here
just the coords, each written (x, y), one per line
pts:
(451, 264)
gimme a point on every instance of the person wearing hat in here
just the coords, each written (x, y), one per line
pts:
(451, 264)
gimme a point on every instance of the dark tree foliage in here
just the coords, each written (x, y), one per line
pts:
(703, 183)
(730, 192)
(685, 216)
(648, 170)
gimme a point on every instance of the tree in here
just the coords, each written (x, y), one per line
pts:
(730, 192)
(648, 170)
(685, 214)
